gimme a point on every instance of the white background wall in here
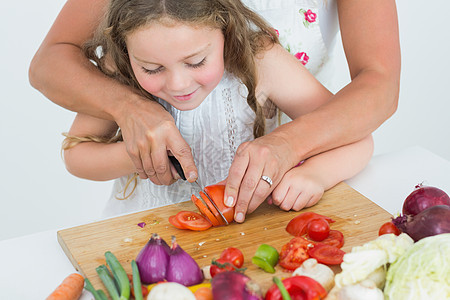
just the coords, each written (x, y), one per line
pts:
(37, 193)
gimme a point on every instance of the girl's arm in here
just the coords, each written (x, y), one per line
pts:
(63, 74)
(95, 160)
(303, 186)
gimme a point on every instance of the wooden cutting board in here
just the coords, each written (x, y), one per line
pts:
(356, 217)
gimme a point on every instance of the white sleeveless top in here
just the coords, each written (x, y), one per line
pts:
(224, 120)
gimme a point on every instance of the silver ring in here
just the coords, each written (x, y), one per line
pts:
(267, 179)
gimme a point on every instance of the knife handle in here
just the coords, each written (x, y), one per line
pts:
(177, 166)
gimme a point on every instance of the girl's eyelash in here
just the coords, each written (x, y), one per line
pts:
(198, 65)
(151, 72)
(156, 71)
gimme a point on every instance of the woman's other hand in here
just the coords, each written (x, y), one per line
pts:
(270, 155)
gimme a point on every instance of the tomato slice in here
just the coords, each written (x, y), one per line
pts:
(212, 209)
(192, 220)
(326, 254)
(294, 253)
(298, 225)
(174, 221)
(216, 192)
(335, 238)
(204, 210)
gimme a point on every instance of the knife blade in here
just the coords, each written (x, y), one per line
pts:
(180, 172)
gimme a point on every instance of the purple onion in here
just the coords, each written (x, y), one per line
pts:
(153, 259)
(182, 268)
(424, 197)
(431, 221)
(234, 285)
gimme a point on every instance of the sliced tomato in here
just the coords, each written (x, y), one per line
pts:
(204, 210)
(298, 225)
(192, 220)
(389, 227)
(326, 254)
(335, 238)
(174, 221)
(294, 253)
(216, 193)
(212, 209)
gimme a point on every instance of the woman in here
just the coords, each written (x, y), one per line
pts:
(369, 32)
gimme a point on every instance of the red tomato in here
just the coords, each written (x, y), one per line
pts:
(326, 254)
(192, 220)
(297, 226)
(294, 253)
(220, 265)
(318, 229)
(233, 255)
(216, 193)
(335, 238)
(173, 220)
(389, 227)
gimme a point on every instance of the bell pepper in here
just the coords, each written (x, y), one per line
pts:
(298, 287)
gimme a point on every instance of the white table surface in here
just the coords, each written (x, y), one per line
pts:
(33, 265)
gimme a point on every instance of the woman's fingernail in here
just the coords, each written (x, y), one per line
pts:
(229, 201)
(240, 217)
(192, 177)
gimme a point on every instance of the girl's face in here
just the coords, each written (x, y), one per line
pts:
(180, 64)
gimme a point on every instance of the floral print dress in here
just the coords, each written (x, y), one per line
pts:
(298, 25)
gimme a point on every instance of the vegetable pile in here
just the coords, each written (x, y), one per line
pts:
(313, 238)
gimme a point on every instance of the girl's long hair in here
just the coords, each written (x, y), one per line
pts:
(245, 33)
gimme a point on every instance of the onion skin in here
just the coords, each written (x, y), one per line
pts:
(431, 221)
(422, 198)
(153, 259)
(234, 285)
(182, 268)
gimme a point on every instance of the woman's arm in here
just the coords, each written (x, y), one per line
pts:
(63, 74)
(95, 160)
(369, 31)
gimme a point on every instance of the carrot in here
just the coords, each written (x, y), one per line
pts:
(70, 289)
(203, 293)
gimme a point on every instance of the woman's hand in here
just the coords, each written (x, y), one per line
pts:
(270, 155)
(149, 132)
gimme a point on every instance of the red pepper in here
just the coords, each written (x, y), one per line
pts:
(299, 288)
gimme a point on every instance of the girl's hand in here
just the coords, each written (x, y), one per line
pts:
(298, 189)
(270, 155)
(149, 132)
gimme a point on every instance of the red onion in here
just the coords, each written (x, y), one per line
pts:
(422, 198)
(234, 285)
(153, 259)
(182, 268)
(431, 221)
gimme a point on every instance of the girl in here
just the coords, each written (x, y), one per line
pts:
(218, 68)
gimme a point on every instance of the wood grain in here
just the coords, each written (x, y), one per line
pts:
(356, 217)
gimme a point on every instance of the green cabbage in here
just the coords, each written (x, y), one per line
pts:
(423, 272)
(363, 260)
